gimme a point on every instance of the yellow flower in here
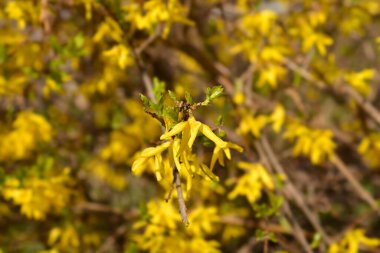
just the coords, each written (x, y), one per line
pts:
(369, 147)
(351, 242)
(252, 183)
(29, 130)
(252, 124)
(360, 80)
(38, 196)
(315, 143)
(189, 130)
(180, 140)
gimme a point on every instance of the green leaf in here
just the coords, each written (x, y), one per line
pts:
(188, 97)
(214, 92)
(158, 88)
(145, 100)
(172, 95)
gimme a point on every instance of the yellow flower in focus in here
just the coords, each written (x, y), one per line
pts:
(180, 140)
(252, 183)
(189, 130)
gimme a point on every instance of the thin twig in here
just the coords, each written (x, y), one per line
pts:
(298, 231)
(365, 105)
(362, 193)
(292, 190)
(110, 241)
(150, 40)
(296, 228)
(170, 191)
(181, 200)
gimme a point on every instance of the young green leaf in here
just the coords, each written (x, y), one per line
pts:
(214, 92)
(145, 100)
(188, 97)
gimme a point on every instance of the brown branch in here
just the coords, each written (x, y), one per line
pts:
(110, 241)
(296, 228)
(181, 200)
(291, 190)
(362, 193)
(344, 90)
(152, 38)
(298, 232)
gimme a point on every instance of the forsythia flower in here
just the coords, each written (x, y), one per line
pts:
(180, 152)
(29, 129)
(360, 80)
(352, 241)
(314, 143)
(370, 149)
(64, 238)
(161, 232)
(120, 55)
(38, 196)
(154, 12)
(252, 183)
(252, 124)
(271, 74)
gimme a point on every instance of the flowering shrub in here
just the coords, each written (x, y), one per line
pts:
(189, 126)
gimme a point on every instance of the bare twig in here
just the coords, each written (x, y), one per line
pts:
(362, 193)
(291, 190)
(110, 241)
(345, 90)
(298, 231)
(181, 200)
(152, 38)
(170, 191)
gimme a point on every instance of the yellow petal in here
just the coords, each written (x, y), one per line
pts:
(209, 173)
(228, 153)
(194, 128)
(148, 152)
(139, 164)
(158, 167)
(206, 130)
(185, 139)
(235, 146)
(175, 130)
(214, 157)
(174, 152)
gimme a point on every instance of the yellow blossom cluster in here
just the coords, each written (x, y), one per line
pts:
(180, 152)
(39, 196)
(352, 242)
(369, 147)
(316, 144)
(252, 183)
(29, 130)
(162, 231)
